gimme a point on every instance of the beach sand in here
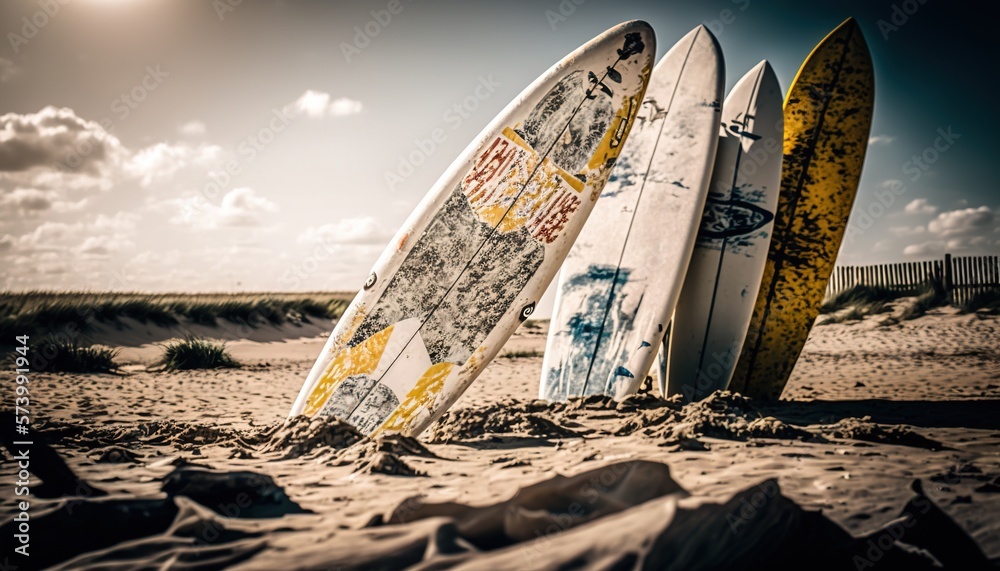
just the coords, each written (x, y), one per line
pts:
(869, 409)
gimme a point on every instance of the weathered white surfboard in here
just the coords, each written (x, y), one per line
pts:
(620, 282)
(720, 290)
(472, 260)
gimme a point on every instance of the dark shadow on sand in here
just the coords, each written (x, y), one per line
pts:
(506, 442)
(977, 414)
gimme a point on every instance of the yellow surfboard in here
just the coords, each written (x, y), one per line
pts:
(828, 113)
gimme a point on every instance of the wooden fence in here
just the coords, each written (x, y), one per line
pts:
(961, 277)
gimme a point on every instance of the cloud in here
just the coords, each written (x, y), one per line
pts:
(28, 200)
(240, 207)
(880, 139)
(48, 234)
(906, 230)
(920, 206)
(161, 161)
(104, 245)
(54, 138)
(964, 221)
(934, 247)
(364, 230)
(317, 104)
(7, 242)
(7, 70)
(192, 128)
(119, 222)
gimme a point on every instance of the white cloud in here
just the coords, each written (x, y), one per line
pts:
(7, 70)
(906, 230)
(317, 104)
(920, 206)
(104, 245)
(880, 139)
(192, 128)
(159, 162)
(965, 221)
(933, 247)
(364, 230)
(119, 222)
(54, 138)
(49, 234)
(239, 207)
(111, 232)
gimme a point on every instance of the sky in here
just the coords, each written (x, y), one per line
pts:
(182, 145)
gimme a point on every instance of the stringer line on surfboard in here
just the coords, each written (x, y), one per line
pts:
(779, 259)
(729, 213)
(588, 95)
(621, 256)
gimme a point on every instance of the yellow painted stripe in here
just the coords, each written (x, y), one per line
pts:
(362, 359)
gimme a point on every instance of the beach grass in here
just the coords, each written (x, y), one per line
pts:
(59, 356)
(856, 303)
(929, 297)
(986, 302)
(73, 313)
(866, 299)
(522, 354)
(860, 301)
(196, 353)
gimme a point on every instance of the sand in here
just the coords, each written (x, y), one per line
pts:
(869, 411)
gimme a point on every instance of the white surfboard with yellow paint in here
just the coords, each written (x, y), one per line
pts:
(472, 260)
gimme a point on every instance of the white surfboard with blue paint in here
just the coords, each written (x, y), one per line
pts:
(472, 260)
(720, 290)
(620, 282)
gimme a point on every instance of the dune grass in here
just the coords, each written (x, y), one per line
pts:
(929, 297)
(861, 301)
(987, 302)
(866, 299)
(49, 355)
(522, 354)
(196, 353)
(36, 313)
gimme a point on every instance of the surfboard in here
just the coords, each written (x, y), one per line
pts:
(470, 263)
(828, 114)
(723, 278)
(618, 286)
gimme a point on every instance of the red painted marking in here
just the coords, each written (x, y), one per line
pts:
(548, 224)
(495, 160)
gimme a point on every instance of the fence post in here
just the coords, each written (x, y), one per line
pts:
(947, 278)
